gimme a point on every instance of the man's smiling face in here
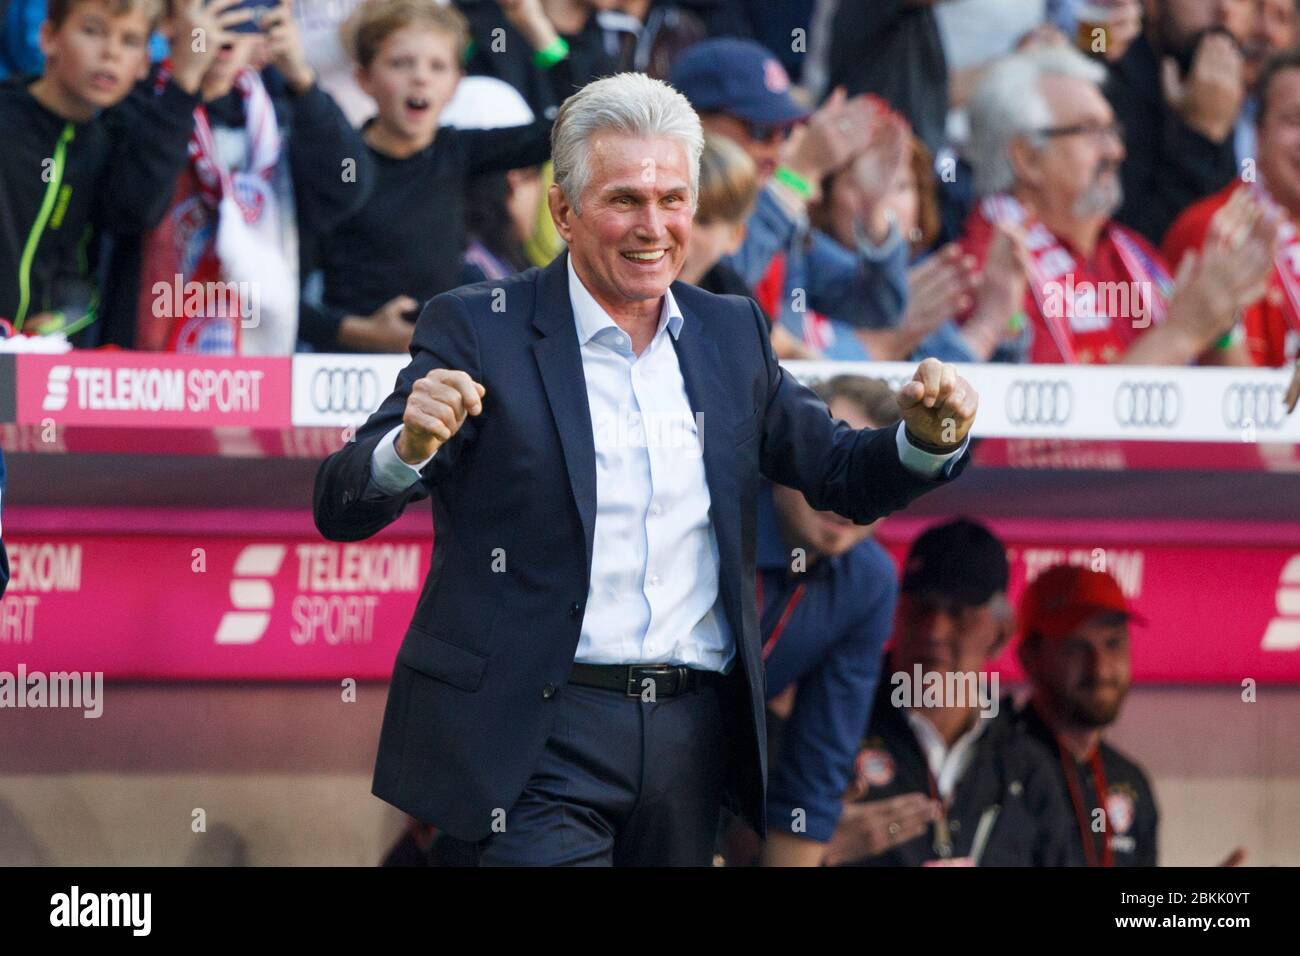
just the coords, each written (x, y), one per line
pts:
(630, 239)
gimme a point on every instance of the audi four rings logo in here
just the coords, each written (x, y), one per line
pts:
(1148, 404)
(1256, 403)
(1031, 402)
(345, 390)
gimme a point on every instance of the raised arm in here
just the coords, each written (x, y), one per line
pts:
(498, 150)
(864, 475)
(424, 424)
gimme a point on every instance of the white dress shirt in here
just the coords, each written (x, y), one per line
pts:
(947, 764)
(654, 566)
(653, 595)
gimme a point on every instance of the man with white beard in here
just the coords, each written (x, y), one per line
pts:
(1047, 150)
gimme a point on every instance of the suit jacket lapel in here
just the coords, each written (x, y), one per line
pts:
(559, 360)
(701, 365)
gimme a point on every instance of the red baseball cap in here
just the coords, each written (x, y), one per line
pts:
(1063, 597)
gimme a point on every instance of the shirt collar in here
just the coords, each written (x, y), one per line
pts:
(591, 319)
(932, 741)
(947, 764)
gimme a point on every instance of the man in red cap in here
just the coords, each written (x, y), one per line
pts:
(1074, 648)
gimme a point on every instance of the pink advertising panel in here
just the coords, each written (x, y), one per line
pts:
(180, 598)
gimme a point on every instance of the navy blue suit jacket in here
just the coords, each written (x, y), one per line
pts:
(471, 701)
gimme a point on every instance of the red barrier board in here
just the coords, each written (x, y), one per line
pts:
(179, 599)
(139, 388)
(202, 607)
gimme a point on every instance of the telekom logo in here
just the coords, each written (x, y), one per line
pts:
(56, 388)
(1283, 632)
(251, 594)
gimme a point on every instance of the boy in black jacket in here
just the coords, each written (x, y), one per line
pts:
(406, 245)
(79, 151)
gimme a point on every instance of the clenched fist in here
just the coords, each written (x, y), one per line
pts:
(938, 405)
(435, 410)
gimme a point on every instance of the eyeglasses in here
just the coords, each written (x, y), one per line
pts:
(766, 132)
(1096, 131)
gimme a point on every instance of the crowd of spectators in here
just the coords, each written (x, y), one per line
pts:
(976, 180)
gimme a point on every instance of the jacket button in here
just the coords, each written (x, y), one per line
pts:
(575, 610)
(548, 691)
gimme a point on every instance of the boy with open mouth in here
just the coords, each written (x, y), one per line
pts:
(406, 245)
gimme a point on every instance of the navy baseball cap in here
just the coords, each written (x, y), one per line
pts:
(739, 77)
(962, 560)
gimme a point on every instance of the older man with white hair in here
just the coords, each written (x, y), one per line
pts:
(1047, 151)
(582, 680)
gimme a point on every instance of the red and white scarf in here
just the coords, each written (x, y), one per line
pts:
(1049, 260)
(225, 227)
(215, 180)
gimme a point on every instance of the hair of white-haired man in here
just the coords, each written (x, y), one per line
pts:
(1009, 103)
(630, 103)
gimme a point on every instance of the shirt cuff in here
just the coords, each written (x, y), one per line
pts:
(387, 470)
(924, 463)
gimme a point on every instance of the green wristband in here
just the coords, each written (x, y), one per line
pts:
(1225, 342)
(1017, 323)
(56, 323)
(551, 54)
(788, 177)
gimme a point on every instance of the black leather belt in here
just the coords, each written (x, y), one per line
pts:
(668, 680)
